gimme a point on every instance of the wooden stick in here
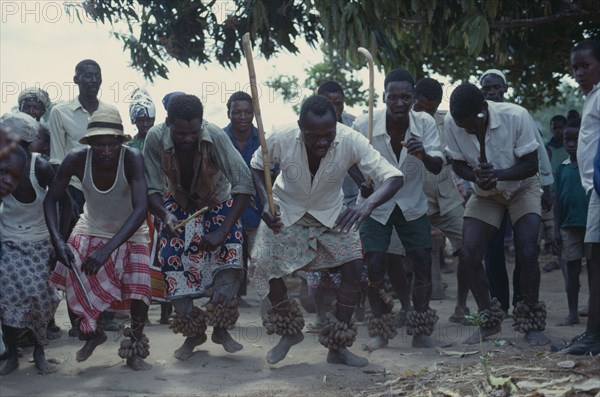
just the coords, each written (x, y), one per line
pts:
(369, 57)
(261, 131)
(194, 215)
(481, 138)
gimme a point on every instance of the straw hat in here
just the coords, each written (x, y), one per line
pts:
(105, 121)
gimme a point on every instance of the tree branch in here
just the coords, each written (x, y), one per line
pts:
(528, 22)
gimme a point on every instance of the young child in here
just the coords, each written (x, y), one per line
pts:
(570, 208)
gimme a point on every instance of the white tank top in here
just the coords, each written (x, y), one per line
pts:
(24, 222)
(105, 212)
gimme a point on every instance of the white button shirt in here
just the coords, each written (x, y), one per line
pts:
(589, 133)
(410, 198)
(322, 198)
(510, 135)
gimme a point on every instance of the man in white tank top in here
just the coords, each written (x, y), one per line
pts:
(105, 261)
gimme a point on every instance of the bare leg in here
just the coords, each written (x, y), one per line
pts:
(227, 283)
(421, 296)
(183, 307)
(527, 254)
(376, 262)
(347, 296)
(139, 312)
(92, 342)
(476, 236)
(280, 304)
(572, 282)
(589, 343)
(399, 280)
(42, 365)
(11, 336)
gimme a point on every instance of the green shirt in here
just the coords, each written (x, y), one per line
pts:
(571, 197)
(558, 153)
(223, 166)
(136, 144)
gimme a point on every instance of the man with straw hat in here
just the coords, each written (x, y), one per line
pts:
(209, 185)
(106, 257)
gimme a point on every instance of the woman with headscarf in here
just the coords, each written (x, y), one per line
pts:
(142, 113)
(34, 101)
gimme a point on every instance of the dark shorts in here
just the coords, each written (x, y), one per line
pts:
(415, 234)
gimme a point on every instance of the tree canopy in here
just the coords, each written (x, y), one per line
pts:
(529, 39)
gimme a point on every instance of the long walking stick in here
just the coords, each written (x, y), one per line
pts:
(481, 138)
(261, 131)
(369, 57)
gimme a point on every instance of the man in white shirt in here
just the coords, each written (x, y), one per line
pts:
(410, 141)
(585, 60)
(503, 174)
(311, 230)
(493, 87)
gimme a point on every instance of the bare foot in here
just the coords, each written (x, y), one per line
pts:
(11, 363)
(536, 338)
(569, 320)
(220, 336)
(186, 350)
(376, 342)
(282, 348)
(137, 364)
(86, 351)
(459, 315)
(346, 357)
(53, 332)
(42, 365)
(482, 333)
(422, 340)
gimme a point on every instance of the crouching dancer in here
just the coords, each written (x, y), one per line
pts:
(503, 173)
(311, 229)
(202, 258)
(106, 257)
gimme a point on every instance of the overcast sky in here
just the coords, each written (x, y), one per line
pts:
(40, 45)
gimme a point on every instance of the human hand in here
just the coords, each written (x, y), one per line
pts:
(557, 244)
(414, 147)
(547, 199)
(94, 261)
(170, 225)
(64, 255)
(272, 221)
(213, 240)
(366, 189)
(352, 217)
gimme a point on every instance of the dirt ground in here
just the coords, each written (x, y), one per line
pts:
(397, 370)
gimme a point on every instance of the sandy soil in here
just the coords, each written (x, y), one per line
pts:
(212, 371)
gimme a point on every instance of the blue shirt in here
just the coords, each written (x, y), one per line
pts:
(251, 215)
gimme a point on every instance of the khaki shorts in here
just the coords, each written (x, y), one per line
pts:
(526, 200)
(572, 243)
(592, 230)
(451, 225)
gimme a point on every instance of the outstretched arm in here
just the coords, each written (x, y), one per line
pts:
(354, 215)
(56, 192)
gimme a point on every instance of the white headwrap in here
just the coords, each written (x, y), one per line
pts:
(141, 105)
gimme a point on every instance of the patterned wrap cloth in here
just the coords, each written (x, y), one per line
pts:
(305, 245)
(27, 299)
(124, 276)
(187, 270)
